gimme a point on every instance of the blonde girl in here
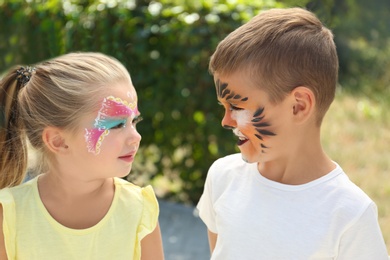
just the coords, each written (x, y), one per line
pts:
(79, 112)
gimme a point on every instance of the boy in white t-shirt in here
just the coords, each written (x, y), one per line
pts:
(282, 197)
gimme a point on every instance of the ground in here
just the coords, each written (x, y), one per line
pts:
(183, 232)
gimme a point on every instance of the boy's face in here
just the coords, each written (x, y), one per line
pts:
(261, 127)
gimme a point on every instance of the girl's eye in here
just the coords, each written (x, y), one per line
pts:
(137, 119)
(121, 124)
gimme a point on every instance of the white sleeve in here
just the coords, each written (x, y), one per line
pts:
(364, 240)
(206, 206)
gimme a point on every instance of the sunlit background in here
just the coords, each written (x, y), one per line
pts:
(166, 46)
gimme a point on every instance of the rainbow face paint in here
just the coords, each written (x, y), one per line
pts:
(113, 113)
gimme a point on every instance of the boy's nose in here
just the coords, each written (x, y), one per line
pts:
(227, 121)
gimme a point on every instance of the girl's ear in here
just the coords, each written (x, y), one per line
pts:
(303, 103)
(54, 140)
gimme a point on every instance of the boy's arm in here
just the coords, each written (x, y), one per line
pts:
(3, 254)
(151, 246)
(364, 240)
(212, 240)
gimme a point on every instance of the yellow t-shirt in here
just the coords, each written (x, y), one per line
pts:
(31, 233)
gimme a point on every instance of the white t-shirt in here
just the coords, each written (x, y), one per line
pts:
(256, 218)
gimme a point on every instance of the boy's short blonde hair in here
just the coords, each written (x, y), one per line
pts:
(281, 49)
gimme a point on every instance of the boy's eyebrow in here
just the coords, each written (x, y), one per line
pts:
(223, 92)
(231, 102)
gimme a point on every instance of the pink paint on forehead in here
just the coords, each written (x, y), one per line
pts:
(116, 107)
(111, 108)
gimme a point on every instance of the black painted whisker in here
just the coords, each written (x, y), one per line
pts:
(257, 119)
(259, 136)
(261, 124)
(265, 132)
(258, 112)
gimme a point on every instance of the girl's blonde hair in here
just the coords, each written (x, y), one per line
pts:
(59, 92)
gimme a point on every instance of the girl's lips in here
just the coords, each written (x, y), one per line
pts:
(127, 158)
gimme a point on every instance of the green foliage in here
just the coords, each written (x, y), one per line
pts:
(362, 37)
(166, 46)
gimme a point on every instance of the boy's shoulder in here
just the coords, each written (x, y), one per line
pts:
(229, 168)
(345, 191)
(228, 161)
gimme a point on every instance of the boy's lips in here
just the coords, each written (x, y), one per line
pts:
(241, 138)
(241, 142)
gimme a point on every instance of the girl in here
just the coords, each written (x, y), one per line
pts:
(79, 111)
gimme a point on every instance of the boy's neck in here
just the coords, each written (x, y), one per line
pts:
(307, 164)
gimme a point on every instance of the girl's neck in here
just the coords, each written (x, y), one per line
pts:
(76, 204)
(66, 187)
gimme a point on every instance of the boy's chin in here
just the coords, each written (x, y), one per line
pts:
(252, 156)
(246, 158)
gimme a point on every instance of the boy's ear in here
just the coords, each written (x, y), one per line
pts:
(54, 140)
(303, 103)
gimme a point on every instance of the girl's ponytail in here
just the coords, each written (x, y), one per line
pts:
(13, 147)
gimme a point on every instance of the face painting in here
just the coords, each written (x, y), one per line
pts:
(244, 117)
(260, 126)
(113, 112)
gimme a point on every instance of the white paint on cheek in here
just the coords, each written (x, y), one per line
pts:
(242, 117)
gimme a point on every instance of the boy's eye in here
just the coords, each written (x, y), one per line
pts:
(232, 107)
(137, 119)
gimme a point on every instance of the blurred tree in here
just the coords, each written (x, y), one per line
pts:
(166, 46)
(362, 37)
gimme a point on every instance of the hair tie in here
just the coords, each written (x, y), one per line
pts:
(24, 74)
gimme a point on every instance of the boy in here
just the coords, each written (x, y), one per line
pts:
(282, 197)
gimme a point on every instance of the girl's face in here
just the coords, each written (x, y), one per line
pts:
(260, 126)
(108, 139)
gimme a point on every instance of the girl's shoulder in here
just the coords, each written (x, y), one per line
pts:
(128, 189)
(142, 198)
(20, 191)
(131, 187)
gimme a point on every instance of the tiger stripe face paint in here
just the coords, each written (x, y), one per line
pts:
(260, 126)
(244, 118)
(113, 113)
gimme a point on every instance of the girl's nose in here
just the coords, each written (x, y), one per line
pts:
(133, 136)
